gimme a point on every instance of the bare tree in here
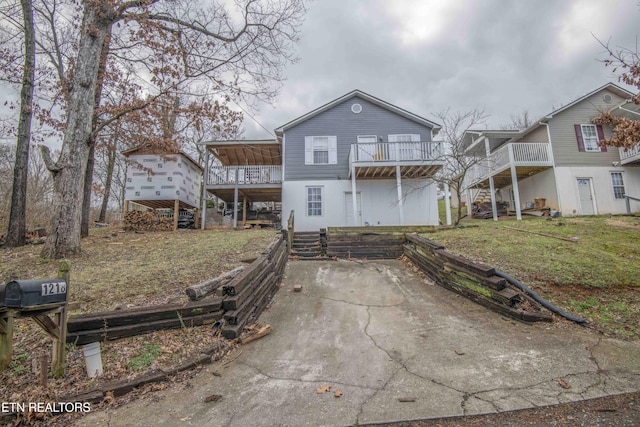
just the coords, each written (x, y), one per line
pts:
(518, 122)
(176, 42)
(626, 130)
(457, 161)
(17, 217)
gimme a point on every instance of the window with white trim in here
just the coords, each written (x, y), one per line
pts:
(314, 201)
(590, 137)
(618, 185)
(320, 150)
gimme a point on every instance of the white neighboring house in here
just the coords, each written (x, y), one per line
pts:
(558, 159)
(162, 180)
(359, 160)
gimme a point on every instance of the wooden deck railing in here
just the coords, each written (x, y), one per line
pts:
(257, 174)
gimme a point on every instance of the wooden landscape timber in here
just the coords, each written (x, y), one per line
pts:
(366, 242)
(475, 281)
(202, 289)
(248, 291)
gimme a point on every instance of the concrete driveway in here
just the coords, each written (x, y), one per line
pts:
(381, 335)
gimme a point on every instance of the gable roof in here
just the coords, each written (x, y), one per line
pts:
(377, 101)
(610, 86)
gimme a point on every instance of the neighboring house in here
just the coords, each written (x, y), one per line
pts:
(356, 160)
(162, 180)
(558, 159)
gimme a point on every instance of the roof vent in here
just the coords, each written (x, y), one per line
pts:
(607, 98)
(356, 108)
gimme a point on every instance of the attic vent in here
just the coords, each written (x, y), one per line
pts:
(606, 98)
(356, 108)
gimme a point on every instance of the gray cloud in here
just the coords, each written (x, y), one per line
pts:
(425, 56)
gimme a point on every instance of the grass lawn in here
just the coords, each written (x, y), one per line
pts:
(118, 269)
(597, 275)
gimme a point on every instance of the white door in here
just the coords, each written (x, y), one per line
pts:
(586, 196)
(367, 147)
(348, 209)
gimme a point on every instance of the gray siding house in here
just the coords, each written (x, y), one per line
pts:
(359, 160)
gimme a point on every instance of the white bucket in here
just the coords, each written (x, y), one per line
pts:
(93, 359)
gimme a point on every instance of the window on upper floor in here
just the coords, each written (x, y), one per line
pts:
(588, 136)
(618, 185)
(320, 150)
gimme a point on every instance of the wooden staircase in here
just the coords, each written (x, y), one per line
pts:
(309, 244)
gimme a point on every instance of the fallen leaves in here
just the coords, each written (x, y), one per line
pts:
(323, 389)
(337, 393)
(562, 383)
(459, 353)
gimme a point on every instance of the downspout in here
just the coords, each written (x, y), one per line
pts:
(553, 162)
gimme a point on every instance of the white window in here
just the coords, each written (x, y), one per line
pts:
(321, 150)
(314, 201)
(364, 139)
(590, 137)
(618, 185)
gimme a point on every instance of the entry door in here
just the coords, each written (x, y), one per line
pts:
(348, 209)
(586, 196)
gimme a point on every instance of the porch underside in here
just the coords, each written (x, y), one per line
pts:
(162, 204)
(256, 193)
(504, 178)
(375, 170)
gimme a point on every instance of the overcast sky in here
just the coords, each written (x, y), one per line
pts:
(505, 56)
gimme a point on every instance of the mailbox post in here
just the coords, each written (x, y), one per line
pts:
(36, 299)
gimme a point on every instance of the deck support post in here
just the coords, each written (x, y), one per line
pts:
(494, 206)
(176, 212)
(514, 182)
(399, 188)
(235, 202)
(354, 197)
(205, 181)
(447, 203)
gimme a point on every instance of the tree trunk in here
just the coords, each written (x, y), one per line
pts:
(17, 216)
(88, 189)
(111, 163)
(88, 177)
(69, 171)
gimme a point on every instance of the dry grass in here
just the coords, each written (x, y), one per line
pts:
(122, 269)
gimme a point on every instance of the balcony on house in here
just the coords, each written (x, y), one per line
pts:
(252, 168)
(252, 175)
(381, 159)
(527, 158)
(630, 156)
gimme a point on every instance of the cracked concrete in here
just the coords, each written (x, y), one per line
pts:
(379, 333)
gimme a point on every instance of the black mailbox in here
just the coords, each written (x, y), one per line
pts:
(29, 293)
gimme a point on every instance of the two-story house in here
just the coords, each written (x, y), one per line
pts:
(558, 159)
(356, 160)
(359, 160)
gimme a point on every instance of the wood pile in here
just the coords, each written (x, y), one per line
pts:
(248, 290)
(146, 221)
(477, 282)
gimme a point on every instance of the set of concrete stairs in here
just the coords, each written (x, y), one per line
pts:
(308, 244)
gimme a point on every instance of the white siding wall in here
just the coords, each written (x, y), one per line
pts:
(540, 185)
(605, 203)
(379, 203)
